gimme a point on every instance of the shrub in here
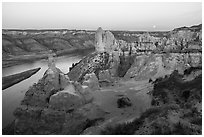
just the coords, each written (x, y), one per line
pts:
(130, 127)
(123, 129)
(197, 121)
(180, 129)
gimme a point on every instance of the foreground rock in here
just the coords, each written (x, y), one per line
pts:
(123, 102)
(11, 80)
(55, 105)
(91, 81)
(32, 120)
(53, 81)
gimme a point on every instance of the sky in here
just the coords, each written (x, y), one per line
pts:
(137, 16)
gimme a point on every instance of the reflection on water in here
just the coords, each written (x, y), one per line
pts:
(12, 96)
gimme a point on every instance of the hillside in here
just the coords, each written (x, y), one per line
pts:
(38, 43)
(25, 42)
(19, 46)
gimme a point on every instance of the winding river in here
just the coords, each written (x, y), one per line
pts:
(12, 96)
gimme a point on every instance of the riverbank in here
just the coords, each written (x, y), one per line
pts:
(11, 80)
(21, 59)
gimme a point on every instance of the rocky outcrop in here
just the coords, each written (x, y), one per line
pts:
(91, 81)
(109, 56)
(92, 63)
(139, 60)
(52, 81)
(104, 41)
(157, 65)
(66, 100)
(56, 105)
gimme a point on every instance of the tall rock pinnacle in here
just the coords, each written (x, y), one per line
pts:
(51, 62)
(104, 41)
(99, 44)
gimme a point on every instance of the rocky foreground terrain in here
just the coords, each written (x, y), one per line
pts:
(134, 83)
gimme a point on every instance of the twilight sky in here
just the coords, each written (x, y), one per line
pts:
(113, 16)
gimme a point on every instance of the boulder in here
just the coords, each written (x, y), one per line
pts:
(65, 100)
(91, 81)
(124, 102)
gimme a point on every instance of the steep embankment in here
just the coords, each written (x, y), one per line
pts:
(11, 80)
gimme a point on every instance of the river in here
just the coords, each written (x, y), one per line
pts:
(12, 96)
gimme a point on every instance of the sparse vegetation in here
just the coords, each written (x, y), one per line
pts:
(173, 93)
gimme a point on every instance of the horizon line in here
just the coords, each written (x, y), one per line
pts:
(49, 29)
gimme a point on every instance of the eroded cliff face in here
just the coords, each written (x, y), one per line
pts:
(158, 65)
(91, 63)
(25, 42)
(37, 44)
(144, 59)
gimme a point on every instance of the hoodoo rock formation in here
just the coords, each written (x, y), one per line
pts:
(104, 41)
(122, 60)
